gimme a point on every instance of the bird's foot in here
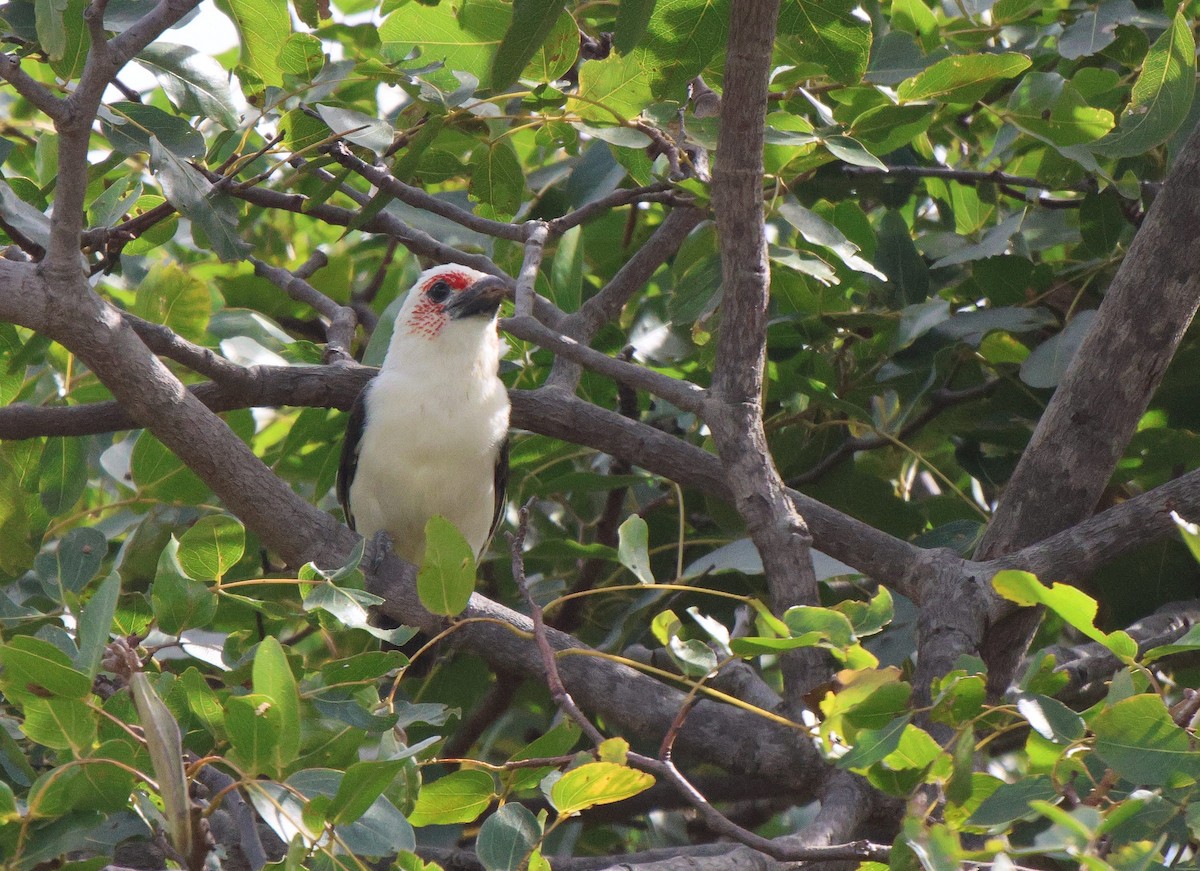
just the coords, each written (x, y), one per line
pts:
(378, 547)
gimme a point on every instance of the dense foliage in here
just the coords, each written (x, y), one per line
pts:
(950, 190)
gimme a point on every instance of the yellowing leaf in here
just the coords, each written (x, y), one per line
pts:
(597, 783)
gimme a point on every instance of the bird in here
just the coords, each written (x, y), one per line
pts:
(429, 434)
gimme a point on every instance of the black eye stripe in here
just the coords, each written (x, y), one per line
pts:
(439, 291)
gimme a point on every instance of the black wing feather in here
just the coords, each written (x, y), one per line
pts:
(501, 485)
(348, 464)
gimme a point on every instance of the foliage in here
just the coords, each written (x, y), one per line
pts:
(919, 322)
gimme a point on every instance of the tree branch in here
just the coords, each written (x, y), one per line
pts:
(734, 412)
(1106, 389)
(682, 394)
(339, 334)
(30, 88)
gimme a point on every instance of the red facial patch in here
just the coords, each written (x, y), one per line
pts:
(428, 317)
(457, 280)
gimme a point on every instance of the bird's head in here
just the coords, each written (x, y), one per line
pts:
(448, 295)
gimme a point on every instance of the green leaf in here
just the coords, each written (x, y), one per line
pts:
(557, 53)
(682, 37)
(179, 602)
(37, 667)
(1102, 222)
(908, 275)
(822, 624)
(633, 548)
(360, 129)
(203, 702)
(262, 26)
(994, 242)
(166, 754)
(213, 213)
(1070, 603)
(273, 679)
(1095, 29)
(557, 742)
(352, 608)
(633, 17)
(362, 784)
(497, 180)
(51, 27)
(130, 127)
(159, 474)
(447, 575)
(507, 837)
(532, 21)
(171, 296)
(95, 625)
(301, 54)
(885, 128)
(254, 723)
(849, 150)
(827, 33)
(196, 83)
(105, 783)
(77, 41)
(1049, 107)
(1011, 802)
(211, 547)
(381, 831)
(871, 745)
(817, 231)
(566, 271)
(61, 724)
(1050, 718)
(79, 556)
(1162, 94)
(962, 78)
(1047, 363)
(459, 797)
(62, 474)
(597, 783)
(464, 37)
(1138, 739)
(867, 618)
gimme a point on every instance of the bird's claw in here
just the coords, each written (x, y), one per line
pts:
(378, 547)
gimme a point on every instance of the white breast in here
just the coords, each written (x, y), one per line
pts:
(430, 445)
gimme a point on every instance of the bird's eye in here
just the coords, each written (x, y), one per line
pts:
(439, 291)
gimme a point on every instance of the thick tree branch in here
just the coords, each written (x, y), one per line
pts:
(734, 412)
(1105, 391)
(104, 60)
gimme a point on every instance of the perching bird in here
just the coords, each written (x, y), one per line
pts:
(428, 435)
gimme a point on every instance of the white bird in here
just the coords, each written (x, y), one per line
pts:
(428, 435)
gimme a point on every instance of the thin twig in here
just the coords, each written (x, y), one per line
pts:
(939, 401)
(558, 691)
(683, 394)
(417, 198)
(367, 294)
(339, 334)
(659, 192)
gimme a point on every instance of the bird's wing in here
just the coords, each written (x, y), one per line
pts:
(348, 464)
(501, 484)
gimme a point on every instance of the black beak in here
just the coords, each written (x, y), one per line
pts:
(481, 298)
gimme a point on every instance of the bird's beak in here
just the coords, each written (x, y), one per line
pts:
(481, 298)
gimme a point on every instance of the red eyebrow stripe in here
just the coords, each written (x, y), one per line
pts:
(457, 280)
